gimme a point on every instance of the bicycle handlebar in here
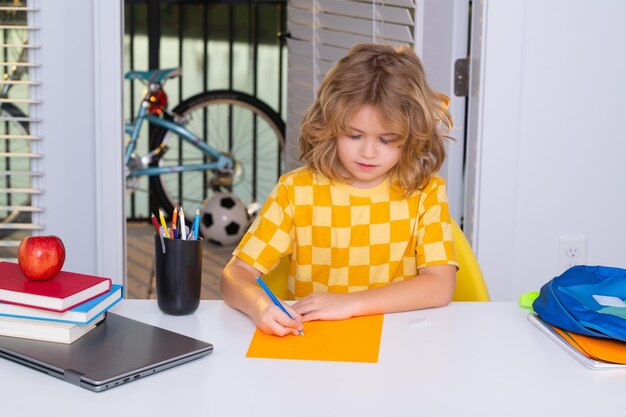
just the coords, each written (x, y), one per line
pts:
(156, 76)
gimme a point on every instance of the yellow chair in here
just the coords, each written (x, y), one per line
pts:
(470, 284)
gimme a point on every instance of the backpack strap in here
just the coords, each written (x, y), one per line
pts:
(526, 300)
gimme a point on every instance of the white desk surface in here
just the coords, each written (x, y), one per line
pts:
(467, 359)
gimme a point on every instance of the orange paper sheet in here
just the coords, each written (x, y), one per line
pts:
(353, 340)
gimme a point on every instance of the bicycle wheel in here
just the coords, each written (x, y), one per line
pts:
(13, 166)
(231, 122)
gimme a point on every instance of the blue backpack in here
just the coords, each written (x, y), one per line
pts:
(588, 300)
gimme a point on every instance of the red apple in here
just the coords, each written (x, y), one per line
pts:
(41, 257)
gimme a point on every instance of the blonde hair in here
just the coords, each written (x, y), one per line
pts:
(393, 82)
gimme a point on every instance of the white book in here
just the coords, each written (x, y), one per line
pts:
(571, 350)
(50, 331)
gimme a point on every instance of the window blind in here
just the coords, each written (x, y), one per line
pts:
(19, 126)
(322, 31)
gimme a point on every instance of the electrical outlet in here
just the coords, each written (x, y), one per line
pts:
(572, 252)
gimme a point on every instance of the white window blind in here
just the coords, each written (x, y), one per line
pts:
(322, 31)
(19, 124)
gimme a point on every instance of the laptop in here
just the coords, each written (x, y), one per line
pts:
(118, 351)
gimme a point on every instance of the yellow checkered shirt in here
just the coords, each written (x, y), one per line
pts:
(344, 239)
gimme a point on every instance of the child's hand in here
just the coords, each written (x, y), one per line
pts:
(326, 306)
(270, 319)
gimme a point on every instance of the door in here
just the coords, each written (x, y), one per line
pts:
(322, 31)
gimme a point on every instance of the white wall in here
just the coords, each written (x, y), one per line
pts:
(545, 118)
(82, 128)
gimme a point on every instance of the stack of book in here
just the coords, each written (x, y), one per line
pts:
(59, 310)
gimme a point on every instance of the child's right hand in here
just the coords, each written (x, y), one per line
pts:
(241, 291)
(270, 319)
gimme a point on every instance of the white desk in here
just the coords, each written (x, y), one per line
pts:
(468, 359)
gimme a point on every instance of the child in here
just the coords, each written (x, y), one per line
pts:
(365, 223)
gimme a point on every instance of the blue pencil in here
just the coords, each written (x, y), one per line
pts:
(274, 299)
(196, 223)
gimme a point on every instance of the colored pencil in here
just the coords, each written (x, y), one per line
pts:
(165, 232)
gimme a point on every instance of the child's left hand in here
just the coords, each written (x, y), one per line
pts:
(325, 306)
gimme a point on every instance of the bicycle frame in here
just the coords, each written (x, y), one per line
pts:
(221, 160)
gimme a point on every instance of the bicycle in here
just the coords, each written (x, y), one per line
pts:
(217, 140)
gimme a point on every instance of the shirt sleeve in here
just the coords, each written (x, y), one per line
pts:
(270, 236)
(435, 245)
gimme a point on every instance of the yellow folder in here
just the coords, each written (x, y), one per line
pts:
(607, 350)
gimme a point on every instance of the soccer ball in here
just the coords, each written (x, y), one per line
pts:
(224, 219)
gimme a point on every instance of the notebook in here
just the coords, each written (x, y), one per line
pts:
(118, 351)
(566, 345)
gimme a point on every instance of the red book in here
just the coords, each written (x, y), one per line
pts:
(64, 291)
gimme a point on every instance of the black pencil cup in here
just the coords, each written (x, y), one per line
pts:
(178, 275)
